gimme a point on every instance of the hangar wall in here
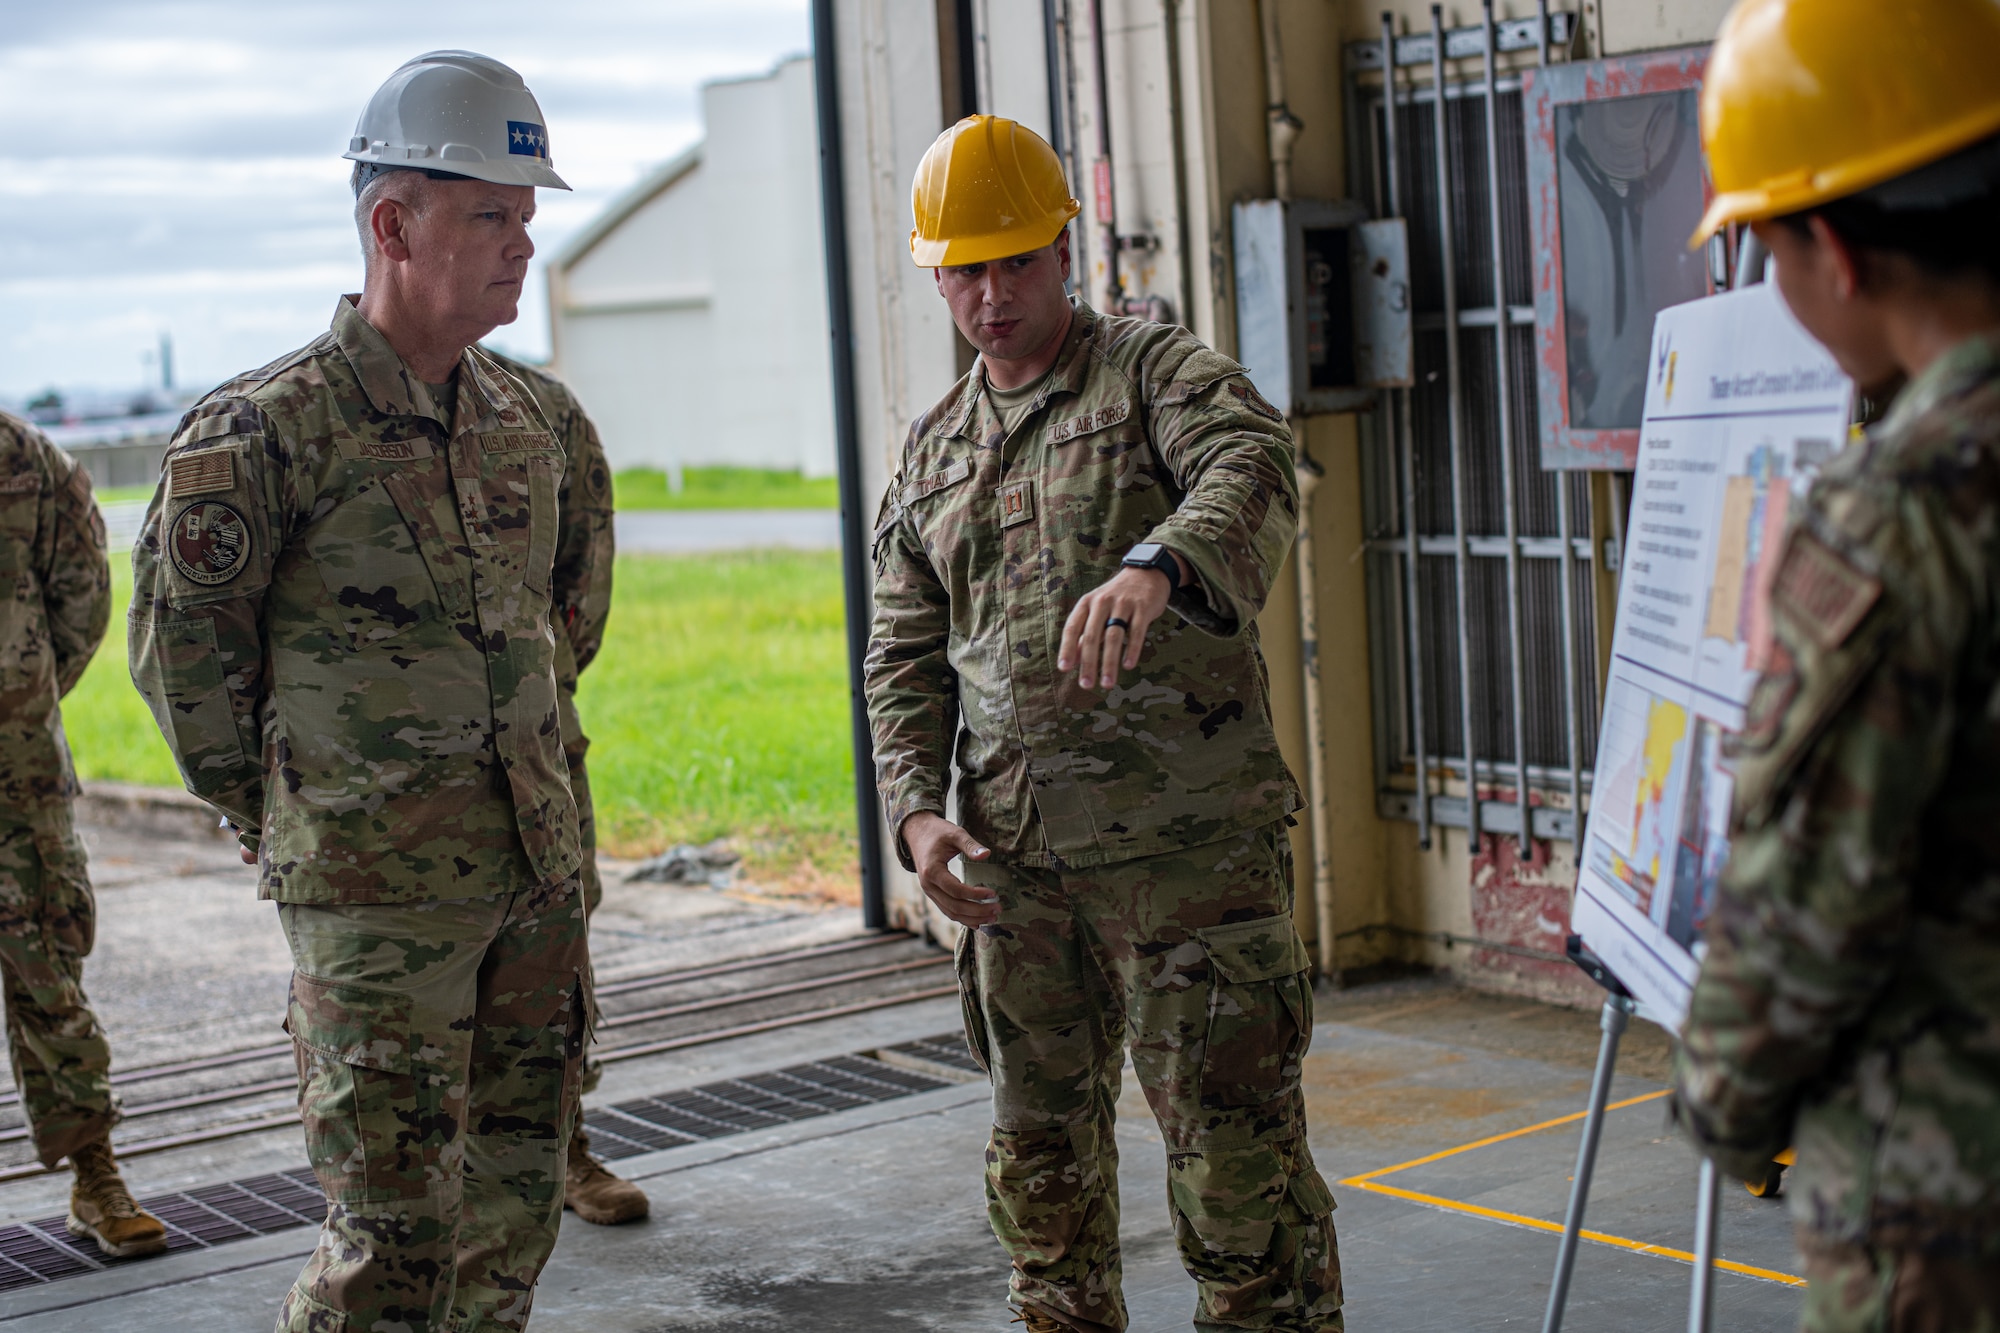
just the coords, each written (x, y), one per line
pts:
(1185, 89)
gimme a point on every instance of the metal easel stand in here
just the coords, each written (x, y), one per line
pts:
(1619, 1007)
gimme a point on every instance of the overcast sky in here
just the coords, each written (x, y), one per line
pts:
(176, 166)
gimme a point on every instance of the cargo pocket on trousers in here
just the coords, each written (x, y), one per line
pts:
(966, 961)
(1259, 1012)
(1309, 1196)
(371, 1119)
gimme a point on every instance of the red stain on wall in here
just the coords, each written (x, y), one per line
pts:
(1524, 902)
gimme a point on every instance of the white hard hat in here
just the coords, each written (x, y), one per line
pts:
(459, 113)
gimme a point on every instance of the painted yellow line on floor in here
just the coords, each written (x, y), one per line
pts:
(1370, 1181)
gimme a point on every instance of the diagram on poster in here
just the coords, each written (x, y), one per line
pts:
(1742, 407)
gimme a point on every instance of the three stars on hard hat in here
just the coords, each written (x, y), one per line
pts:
(1809, 101)
(987, 188)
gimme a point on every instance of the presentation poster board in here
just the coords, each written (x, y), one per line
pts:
(1742, 407)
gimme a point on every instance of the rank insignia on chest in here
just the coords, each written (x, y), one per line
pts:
(1017, 503)
(209, 543)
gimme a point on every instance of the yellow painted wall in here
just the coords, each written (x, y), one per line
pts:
(1381, 875)
(1359, 839)
(1381, 878)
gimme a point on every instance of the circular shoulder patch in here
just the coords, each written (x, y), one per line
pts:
(210, 542)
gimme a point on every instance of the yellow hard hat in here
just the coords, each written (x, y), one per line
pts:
(1806, 101)
(988, 188)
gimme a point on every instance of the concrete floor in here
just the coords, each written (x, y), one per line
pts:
(873, 1219)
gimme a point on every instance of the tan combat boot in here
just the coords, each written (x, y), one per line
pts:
(1037, 1322)
(101, 1208)
(594, 1194)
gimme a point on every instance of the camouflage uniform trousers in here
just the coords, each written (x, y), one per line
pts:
(48, 921)
(575, 746)
(1861, 1289)
(1191, 957)
(439, 1048)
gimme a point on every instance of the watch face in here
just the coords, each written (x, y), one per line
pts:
(1143, 554)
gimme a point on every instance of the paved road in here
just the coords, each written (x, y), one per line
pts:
(668, 530)
(662, 531)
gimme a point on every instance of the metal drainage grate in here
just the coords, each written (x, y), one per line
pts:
(738, 1105)
(945, 1055)
(44, 1251)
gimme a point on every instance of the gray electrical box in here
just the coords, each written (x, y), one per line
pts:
(1322, 302)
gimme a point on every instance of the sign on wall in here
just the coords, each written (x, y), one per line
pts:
(1741, 408)
(1615, 187)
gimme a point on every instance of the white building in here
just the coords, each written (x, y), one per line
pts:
(690, 317)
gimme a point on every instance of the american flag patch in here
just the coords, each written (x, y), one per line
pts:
(198, 474)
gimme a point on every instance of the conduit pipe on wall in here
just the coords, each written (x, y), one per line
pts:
(1284, 128)
(1104, 202)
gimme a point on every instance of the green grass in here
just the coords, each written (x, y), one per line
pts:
(718, 707)
(725, 488)
(110, 732)
(114, 494)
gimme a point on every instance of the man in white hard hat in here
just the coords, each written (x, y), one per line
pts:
(342, 621)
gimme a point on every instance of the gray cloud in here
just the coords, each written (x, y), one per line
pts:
(175, 166)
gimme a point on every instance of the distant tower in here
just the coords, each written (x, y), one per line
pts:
(166, 362)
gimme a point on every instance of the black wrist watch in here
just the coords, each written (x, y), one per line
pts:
(1152, 555)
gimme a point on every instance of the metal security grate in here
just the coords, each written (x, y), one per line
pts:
(738, 1105)
(1479, 561)
(44, 1251)
(946, 1053)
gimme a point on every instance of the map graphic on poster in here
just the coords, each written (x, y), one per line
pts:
(1742, 407)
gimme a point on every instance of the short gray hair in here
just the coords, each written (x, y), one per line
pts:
(372, 184)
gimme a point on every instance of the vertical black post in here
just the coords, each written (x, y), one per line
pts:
(1052, 55)
(854, 525)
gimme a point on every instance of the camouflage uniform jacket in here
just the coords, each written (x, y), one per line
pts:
(53, 615)
(341, 621)
(985, 542)
(584, 557)
(1850, 998)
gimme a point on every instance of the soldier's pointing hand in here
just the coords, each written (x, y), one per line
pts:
(1106, 630)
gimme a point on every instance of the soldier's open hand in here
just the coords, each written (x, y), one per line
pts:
(933, 840)
(1097, 649)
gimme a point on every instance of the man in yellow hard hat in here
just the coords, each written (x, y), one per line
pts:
(1849, 1001)
(1069, 564)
